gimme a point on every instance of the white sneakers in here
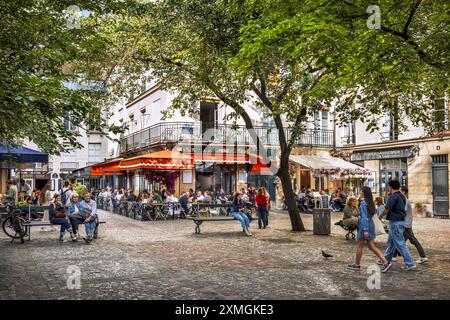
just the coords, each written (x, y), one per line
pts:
(422, 260)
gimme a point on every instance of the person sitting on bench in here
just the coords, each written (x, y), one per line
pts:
(88, 209)
(75, 215)
(57, 213)
(238, 213)
(351, 213)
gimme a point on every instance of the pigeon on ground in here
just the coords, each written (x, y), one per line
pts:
(326, 255)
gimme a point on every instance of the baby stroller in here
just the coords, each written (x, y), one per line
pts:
(350, 229)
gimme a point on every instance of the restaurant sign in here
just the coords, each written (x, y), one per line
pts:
(383, 154)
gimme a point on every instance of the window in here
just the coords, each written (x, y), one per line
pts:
(349, 133)
(391, 120)
(316, 120)
(69, 166)
(393, 169)
(95, 152)
(440, 115)
(68, 124)
(325, 120)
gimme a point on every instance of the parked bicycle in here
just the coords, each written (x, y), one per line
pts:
(13, 225)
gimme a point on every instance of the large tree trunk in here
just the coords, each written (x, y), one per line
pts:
(283, 174)
(289, 195)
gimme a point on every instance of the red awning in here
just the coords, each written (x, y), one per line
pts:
(106, 168)
(160, 160)
(262, 169)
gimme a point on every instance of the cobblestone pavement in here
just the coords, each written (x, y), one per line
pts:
(166, 260)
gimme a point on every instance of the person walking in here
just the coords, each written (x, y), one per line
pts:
(262, 202)
(408, 233)
(395, 213)
(366, 231)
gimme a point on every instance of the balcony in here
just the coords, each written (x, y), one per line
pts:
(388, 136)
(348, 140)
(188, 133)
(68, 166)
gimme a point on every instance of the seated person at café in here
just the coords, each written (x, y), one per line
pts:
(207, 197)
(156, 197)
(336, 201)
(220, 196)
(170, 197)
(183, 201)
(57, 214)
(131, 196)
(200, 197)
(351, 213)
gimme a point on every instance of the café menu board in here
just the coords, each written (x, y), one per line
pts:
(383, 154)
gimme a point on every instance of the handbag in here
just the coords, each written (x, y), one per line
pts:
(379, 228)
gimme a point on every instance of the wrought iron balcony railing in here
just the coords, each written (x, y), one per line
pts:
(185, 132)
(348, 140)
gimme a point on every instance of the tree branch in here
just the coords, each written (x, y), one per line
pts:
(411, 16)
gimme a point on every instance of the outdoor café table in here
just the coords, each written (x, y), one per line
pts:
(159, 209)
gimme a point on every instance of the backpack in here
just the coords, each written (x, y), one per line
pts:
(64, 196)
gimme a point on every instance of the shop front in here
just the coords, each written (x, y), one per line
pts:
(327, 172)
(385, 165)
(23, 163)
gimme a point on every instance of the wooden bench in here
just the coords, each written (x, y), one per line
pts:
(199, 220)
(30, 224)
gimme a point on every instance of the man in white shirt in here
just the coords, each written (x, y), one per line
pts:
(25, 187)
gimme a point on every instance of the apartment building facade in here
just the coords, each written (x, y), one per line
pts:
(418, 158)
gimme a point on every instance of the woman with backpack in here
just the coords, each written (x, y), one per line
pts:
(366, 231)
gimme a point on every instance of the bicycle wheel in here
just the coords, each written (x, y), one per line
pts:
(13, 227)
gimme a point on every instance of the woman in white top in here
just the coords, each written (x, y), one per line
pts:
(44, 200)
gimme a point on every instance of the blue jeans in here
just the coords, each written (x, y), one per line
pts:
(90, 227)
(243, 219)
(396, 241)
(262, 216)
(65, 224)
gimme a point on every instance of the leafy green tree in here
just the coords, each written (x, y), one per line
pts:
(38, 52)
(200, 48)
(400, 66)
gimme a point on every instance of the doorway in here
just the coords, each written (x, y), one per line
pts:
(439, 169)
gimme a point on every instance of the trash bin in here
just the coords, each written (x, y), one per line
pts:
(322, 221)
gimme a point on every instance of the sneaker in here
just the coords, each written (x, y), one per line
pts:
(87, 239)
(354, 267)
(386, 267)
(61, 239)
(406, 268)
(422, 260)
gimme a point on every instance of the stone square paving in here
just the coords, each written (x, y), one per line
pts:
(166, 260)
